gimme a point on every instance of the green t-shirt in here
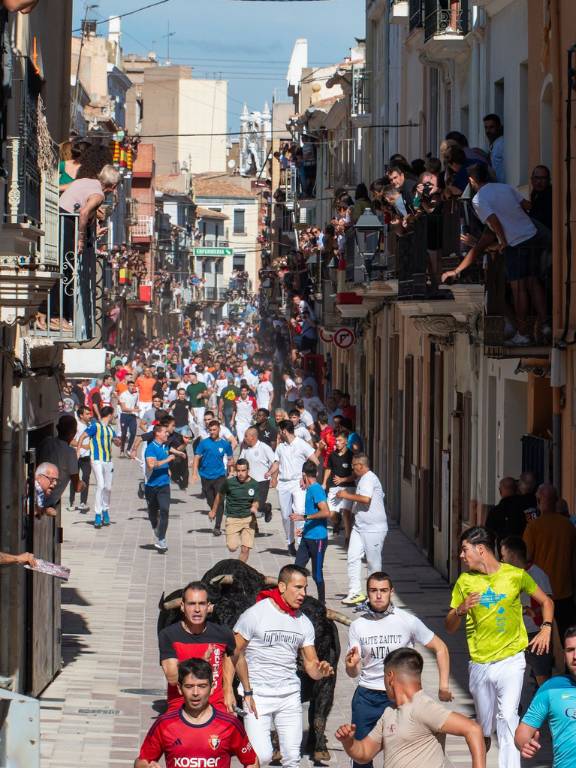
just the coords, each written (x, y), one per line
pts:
(228, 396)
(192, 392)
(495, 627)
(239, 496)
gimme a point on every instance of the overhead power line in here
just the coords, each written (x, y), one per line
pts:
(128, 13)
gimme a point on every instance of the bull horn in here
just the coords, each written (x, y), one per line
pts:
(224, 578)
(270, 581)
(171, 604)
(337, 616)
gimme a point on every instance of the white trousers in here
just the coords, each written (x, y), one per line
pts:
(496, 688)
(103, 472)
(144, 407)
(241, 427)
(367, 544)
(284, 713)
(198, 415)
(291, 498)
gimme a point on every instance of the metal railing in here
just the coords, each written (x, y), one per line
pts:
(415, 14)
(360, 91)
(72, 311)
(144, 227)
(446, 17)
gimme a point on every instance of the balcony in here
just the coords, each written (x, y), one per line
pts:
(143, 229)
(499, 318)
(71, 312)
(360, 104)
(399, 12)
(446, 24)
(215, 294)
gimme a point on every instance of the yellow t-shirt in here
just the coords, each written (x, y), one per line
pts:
(494, 627)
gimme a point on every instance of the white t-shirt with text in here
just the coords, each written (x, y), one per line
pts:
(274, 639)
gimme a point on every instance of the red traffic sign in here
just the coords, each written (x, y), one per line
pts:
(344, 338)
(326, 336)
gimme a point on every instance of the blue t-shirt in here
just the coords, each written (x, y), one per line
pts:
(212, 453)
(317, 528)
(159, 476)
(555, 701)
(355, 439)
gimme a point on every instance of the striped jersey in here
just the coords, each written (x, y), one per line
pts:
(101, 436)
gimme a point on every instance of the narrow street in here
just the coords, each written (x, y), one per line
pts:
(111, 688)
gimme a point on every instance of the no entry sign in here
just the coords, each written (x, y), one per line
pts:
(344, 338)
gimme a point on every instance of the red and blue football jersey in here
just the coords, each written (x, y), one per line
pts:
(185, 745)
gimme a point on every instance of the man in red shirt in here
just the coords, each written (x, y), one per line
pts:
(195, 637)
(196, 735)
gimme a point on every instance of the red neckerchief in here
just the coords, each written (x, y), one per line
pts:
(274, 594)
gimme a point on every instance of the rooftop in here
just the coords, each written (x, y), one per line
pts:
(211, 185)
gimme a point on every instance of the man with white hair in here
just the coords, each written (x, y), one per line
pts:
(45, 480)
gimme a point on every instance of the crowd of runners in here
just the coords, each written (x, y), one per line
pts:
(221, 408)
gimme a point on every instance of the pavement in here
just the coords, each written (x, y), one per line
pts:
(111, 688)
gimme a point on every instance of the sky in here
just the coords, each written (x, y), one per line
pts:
(245, 42)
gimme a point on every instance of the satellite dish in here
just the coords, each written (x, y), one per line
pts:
(231, 164)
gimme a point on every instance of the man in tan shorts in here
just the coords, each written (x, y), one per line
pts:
(240, 496)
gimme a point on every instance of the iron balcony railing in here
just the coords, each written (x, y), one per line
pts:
(72, 311)
(446, 17)
(415, 14)
(360, 91)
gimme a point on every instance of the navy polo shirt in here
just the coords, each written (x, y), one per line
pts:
(212, 453)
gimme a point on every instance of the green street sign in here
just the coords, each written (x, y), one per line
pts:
(213, 252)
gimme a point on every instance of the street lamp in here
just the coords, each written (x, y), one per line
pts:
(367, 232)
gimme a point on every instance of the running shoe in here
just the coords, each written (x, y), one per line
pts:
(83, 508)
(217, 532)
(71, 508)
(97, 521)
(105, 517)
(267, 512)
(161, 545)
(518, 340)
(292, 549)
(354, 599)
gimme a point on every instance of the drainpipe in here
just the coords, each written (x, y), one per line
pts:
(8, 539)
(558, 239)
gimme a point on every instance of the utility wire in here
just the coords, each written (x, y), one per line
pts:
(128, 13)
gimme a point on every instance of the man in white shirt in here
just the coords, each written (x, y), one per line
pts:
(291, 453)
(299, 428)
(83, 418)
(264, 393)
(260, 457)
(312, 402)
(270, 636)
(380, 630)
(305, 416)
(369, 529)
(129, 411)
(245, 412)
(107, 390)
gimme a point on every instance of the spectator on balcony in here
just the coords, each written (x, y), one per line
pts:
(58, 451)
(399, 161)
(458, 164)
(361, 202)
(494, 131)
(307, 166)
(541, 196)
(503, 209)
(70, 161)
(472, 153)
(45, 480)
(427, 201)
(402, 182)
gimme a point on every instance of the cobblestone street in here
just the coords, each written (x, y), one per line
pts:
(111, 688)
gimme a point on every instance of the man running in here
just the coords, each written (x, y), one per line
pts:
(260, 457)
(412, 732)
(245, 410)
(370, 527)
(101, 436)
(338, 475)
(289, 459)
(554, 702)
(197, 735)
(196, 637)
(209, 467)
(315, 532)
(240, 495)
(129, 410)
(489, 595)
(270, 636)
(380, 630)
(157, 490)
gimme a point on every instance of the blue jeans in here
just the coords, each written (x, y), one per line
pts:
(367, 709)
(313, 549)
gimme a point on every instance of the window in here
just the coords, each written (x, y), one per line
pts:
(239, 261)
(239, 221)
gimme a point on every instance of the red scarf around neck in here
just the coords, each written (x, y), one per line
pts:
(274, 594)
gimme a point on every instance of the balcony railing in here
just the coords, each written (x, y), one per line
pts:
(415, 14)
(144, 227)
(72, 311)
(360, 91)
(446, 17)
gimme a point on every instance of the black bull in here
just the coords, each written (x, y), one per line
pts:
(233, 587)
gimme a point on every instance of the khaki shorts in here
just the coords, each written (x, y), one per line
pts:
(240, 531)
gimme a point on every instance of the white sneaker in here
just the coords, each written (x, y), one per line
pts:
(352, 599)
(518, 340)
(71, 508)
(83, 508)
(161, 545)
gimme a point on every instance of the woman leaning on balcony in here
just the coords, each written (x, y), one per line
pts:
(85, 195)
